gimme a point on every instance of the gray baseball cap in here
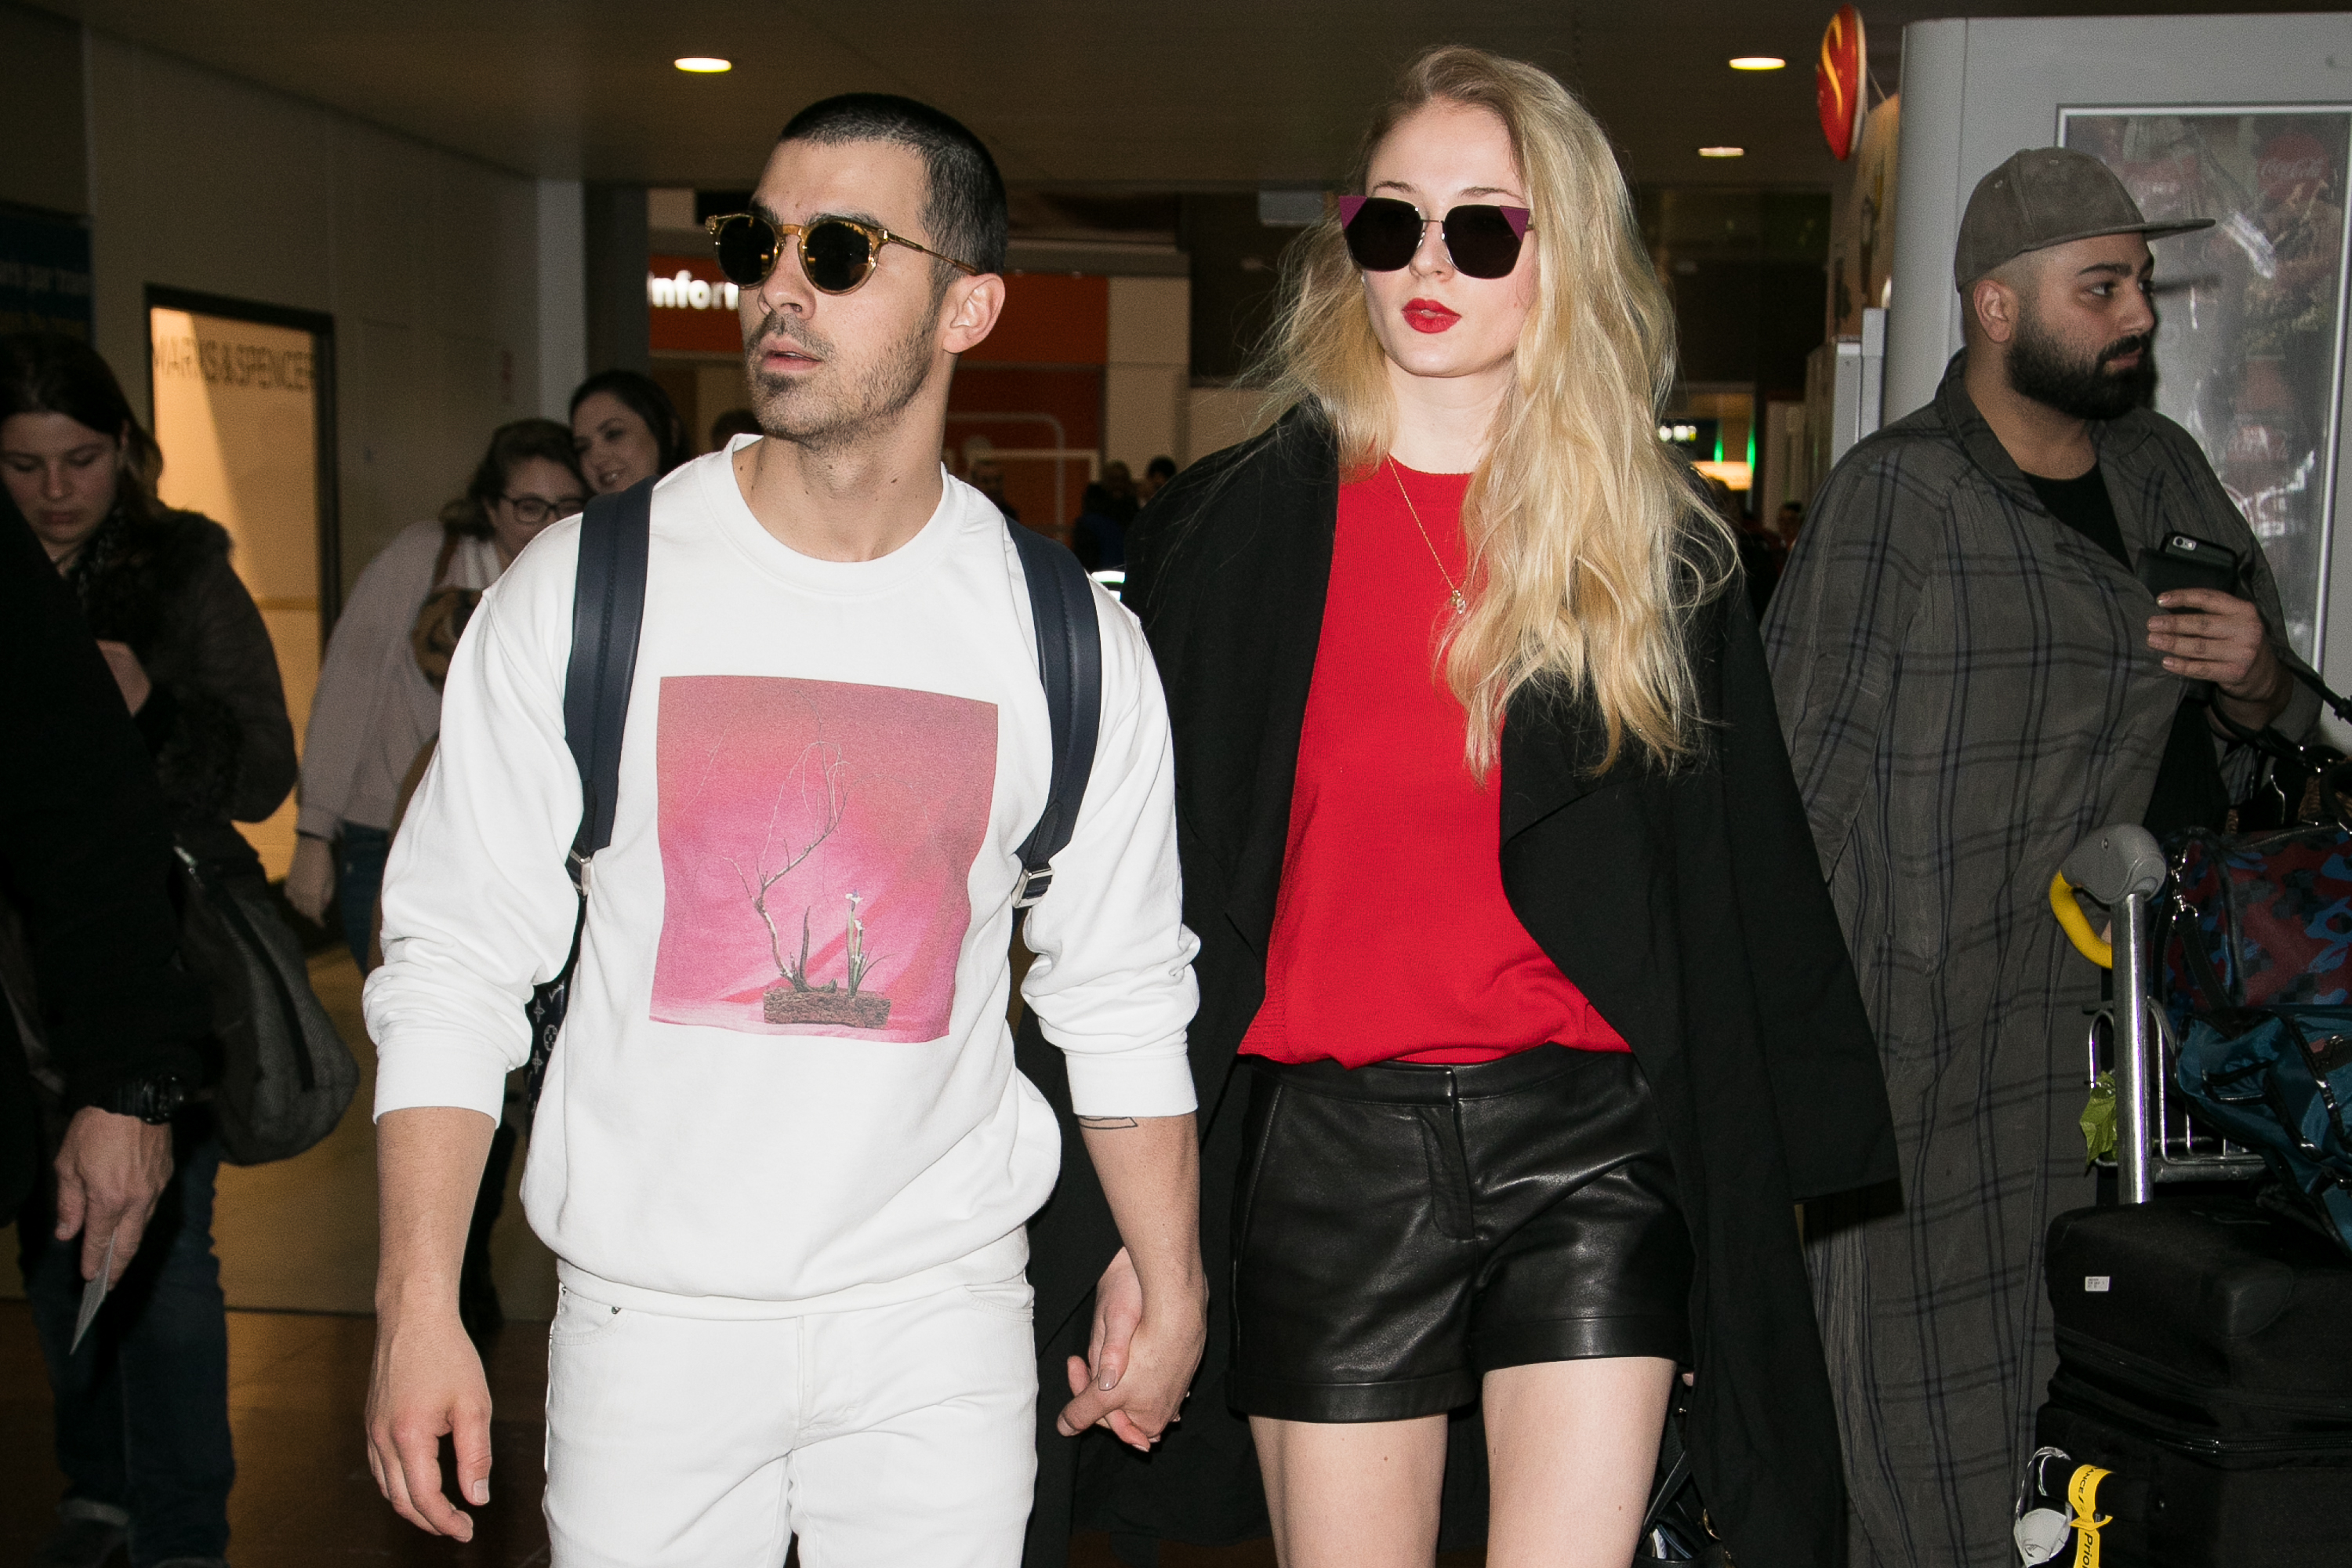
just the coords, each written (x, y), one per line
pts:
(2045, 196)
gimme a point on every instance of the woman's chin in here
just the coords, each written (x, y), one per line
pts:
(1434, 358)
(65, 535)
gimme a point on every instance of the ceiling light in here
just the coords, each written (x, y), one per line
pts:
(1758, 63)
(703, 65)
(1722, 152)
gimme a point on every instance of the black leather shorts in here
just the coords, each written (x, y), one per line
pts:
(1400, 1230)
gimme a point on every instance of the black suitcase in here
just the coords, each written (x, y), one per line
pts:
(2205, 1357)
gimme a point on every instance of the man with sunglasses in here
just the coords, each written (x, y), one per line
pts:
(1979, 657)
(784, 1156)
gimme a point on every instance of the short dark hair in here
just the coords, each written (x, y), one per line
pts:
(511, 446)
(1160, 468)
(642, 395)
(964, 208)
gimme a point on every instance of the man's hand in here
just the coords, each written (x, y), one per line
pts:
(311, 880)
(2217, 636)
(1152, 1310)
(128, 672)
(427, 1380)
(1139, 1366)
(110, 1171)
(428, 1384)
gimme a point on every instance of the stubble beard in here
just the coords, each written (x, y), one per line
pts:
(840, 407)
(2044, 367)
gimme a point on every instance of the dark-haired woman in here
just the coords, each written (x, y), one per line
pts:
(379, 698)
(143, 1417)
(627, 429)
(1523, 1005)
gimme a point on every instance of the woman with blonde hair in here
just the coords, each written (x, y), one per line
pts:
(1524, 1014)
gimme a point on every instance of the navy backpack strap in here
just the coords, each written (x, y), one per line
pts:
(608, 607)
(1069, 663)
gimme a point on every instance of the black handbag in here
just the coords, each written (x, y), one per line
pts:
(1676, 1530)
(287, 1077)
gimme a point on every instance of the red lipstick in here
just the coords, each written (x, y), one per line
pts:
(1428, 316)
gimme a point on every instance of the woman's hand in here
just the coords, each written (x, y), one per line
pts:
(1143, 1354)
(310, 881)
(128, 672)
(1118, 1311)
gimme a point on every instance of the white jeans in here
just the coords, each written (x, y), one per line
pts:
(894, 1434)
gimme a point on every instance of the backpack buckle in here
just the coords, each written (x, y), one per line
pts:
(1032, 887)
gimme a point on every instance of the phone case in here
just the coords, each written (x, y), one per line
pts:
(2167, 568)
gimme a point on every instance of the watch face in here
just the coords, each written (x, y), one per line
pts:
(151, 1099)
(164, 1097)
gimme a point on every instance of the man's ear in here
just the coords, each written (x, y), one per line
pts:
(1995, 306)
(968, 314)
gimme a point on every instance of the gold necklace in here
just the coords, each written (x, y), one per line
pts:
(1453, 593)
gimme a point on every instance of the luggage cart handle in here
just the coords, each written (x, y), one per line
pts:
(2077, 925)
(2116, 863)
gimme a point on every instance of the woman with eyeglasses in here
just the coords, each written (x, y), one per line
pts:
(378, 702)
(626, 429)
(377, 715)
(1528, 1019)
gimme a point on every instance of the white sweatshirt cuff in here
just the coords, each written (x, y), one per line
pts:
(417, 1074)
(1150, 1081)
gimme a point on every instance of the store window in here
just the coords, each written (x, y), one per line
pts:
(244, 410)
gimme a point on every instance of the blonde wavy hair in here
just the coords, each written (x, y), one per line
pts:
(1588, 542)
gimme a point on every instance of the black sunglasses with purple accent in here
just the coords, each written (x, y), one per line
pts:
(1481, 239)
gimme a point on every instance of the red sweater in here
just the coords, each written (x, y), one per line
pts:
(1392, 939)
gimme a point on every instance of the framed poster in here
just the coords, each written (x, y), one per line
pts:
(2251, 352)
(243, 396)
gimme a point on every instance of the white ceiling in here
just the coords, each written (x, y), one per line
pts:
(1076, 93)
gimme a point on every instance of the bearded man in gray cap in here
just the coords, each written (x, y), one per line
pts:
(1972, 677)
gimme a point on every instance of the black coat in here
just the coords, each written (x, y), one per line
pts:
(84, 860)
(1690, 909)
(215, 722)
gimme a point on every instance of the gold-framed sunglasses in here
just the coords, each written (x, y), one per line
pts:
(837, 254)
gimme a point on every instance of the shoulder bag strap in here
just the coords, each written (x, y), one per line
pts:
(607, 611)
(1069, 663)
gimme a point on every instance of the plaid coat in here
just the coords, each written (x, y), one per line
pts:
(1968, 691)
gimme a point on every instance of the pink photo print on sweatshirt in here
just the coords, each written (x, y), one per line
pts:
(817, 840)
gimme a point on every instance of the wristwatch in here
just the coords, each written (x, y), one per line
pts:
(152, 1098)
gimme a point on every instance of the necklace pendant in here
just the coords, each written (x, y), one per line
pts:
(1461, 605)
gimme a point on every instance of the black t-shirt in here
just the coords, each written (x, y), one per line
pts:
(2189, 788)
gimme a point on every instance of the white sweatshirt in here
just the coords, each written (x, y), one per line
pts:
(786, 1083)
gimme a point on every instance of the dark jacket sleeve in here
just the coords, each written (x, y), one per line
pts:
(84, 845)
(1827, 1085)
(229, 686)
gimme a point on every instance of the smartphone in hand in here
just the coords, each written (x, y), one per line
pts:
(2183, 561)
